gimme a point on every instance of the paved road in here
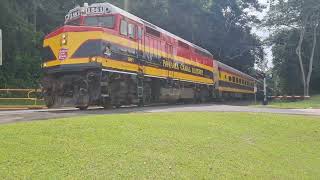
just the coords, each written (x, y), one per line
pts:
(29, 115)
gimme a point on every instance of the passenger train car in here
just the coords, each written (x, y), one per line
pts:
(106, 56)
(235, 84)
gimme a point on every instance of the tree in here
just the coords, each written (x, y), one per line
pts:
(222, 27)
(302, 16)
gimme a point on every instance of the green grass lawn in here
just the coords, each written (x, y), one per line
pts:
(314, 102)
(163, 146)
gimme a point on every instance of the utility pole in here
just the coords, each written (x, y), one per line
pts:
(126, 5)
(0, 47)
(265, 99)
(255, 92)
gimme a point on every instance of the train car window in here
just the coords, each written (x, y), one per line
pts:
(230, 78)
(91, 21)
(75, 22)
(139, 32)
(233, 79)
(106, 21)
(131, 31)
(152, 32)
(124, 27)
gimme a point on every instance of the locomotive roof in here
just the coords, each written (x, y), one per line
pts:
(114, 9)
(233, 70)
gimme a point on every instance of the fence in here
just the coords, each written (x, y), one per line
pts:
(289, 97)
(27, 95)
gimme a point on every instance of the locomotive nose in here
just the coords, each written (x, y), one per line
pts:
(55, 46)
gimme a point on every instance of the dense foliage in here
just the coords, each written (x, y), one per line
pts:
(222, 27)
(296, 29)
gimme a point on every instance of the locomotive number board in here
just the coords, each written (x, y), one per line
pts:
(95, 9)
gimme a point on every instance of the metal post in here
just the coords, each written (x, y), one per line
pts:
(255, 93)
(255, 98)
(265, 100)
(126, 5)
(0, 47)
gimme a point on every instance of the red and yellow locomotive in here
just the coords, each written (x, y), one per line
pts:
(106, 56)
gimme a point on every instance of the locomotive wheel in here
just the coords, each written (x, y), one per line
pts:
(107, 106)
(203, 96)
(141, 103)
(82, 96)
(49, 100)
(47, 85)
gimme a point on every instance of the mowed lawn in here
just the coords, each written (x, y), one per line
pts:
(163, 146)
(312, 103)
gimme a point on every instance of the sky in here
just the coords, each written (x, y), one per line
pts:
(264, 33)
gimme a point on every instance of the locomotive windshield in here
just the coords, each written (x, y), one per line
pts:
(101, 21)
(75, 22)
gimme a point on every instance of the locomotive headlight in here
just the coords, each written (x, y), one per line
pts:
(93, 59)
(64, 42)
(64, 38)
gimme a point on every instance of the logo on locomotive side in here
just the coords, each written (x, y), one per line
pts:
(63, 54)
(182, 67)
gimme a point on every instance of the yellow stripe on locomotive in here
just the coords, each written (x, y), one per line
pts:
(77, 39)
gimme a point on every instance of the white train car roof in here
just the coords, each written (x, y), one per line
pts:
(235, 71)
(114, 9)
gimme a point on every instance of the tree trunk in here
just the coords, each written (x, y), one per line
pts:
(298, 51)
(312, 55)
(35, 8)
